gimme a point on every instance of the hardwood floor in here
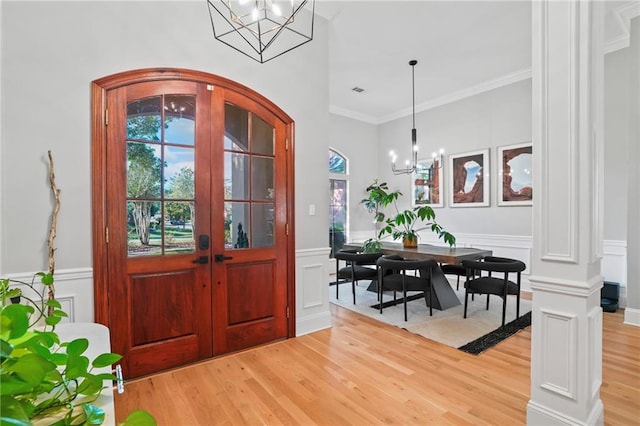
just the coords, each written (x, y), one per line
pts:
(364, 372)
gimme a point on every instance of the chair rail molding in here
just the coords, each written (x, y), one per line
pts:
(74, 291)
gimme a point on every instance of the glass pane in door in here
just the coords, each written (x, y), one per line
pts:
(179, 120)
(262, 135)
(144, 228)
(236, 176)
(237, 225)
(144, 118)
(262, 178)
(236, 128)
(263, 225)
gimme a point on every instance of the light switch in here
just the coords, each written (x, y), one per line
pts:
(312, 209)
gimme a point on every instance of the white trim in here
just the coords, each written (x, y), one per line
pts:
(632, 316)
(353, 114)
(623, 16)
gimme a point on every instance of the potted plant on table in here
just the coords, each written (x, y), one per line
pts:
(405, 224)
(378, 198)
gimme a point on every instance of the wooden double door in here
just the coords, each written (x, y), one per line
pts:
(192, 182)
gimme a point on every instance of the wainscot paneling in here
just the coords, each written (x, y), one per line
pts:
(73, 289)
(312, 290)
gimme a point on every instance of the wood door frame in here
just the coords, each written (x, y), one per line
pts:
(99, 89)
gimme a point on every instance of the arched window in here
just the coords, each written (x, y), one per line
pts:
(338, 179)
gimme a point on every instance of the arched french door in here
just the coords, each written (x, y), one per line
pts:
(192, 217)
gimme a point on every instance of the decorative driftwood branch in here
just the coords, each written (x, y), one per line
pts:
(52, 228)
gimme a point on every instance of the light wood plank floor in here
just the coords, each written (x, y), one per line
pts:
(363, 372)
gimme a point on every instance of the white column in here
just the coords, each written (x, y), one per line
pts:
(566, 351)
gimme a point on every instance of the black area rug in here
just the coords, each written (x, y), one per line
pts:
(496, 336)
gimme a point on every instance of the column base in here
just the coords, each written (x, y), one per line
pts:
(543, 416)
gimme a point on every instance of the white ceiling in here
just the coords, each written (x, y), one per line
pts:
(462, 48)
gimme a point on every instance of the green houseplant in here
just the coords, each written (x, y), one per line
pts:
(44, 380)
(405, 224)
(377, 198)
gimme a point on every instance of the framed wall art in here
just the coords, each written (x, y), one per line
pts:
(515, 175)
(469, 179)
(426, 183)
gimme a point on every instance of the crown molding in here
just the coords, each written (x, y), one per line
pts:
(623, 16)
(486, 86)
(353, 114)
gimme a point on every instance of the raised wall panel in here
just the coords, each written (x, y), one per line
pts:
(556, 92)
(312, 292)
(559, 349)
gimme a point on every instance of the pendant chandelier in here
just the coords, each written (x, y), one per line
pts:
(412, 165)
(262, 29)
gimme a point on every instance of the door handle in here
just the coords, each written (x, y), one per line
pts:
(202, 260)
(221, 257)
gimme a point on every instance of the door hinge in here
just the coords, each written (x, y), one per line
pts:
(106, 235)
(286, 144)
(286, 228)
(106, 117)
(288, 312)
(210, 87)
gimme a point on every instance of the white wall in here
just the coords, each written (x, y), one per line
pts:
(51, 51)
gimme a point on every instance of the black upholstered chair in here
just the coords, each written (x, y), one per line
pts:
(359, 266)
(496, 280)
(392, 275)
(454, 269)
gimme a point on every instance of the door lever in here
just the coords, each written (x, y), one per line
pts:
(202, 260)
(221, 257)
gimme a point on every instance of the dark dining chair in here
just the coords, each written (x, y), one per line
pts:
(490, 284)
(454, 269)
(358, 266)
(392, 275)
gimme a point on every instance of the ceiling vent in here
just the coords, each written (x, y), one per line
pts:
(358, 89)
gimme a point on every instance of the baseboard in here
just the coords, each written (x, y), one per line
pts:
(312, 323)
(632, 316)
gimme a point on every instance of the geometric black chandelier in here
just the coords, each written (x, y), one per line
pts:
(262, 29)
(412, 166)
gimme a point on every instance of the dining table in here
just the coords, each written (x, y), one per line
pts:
(444, 295)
